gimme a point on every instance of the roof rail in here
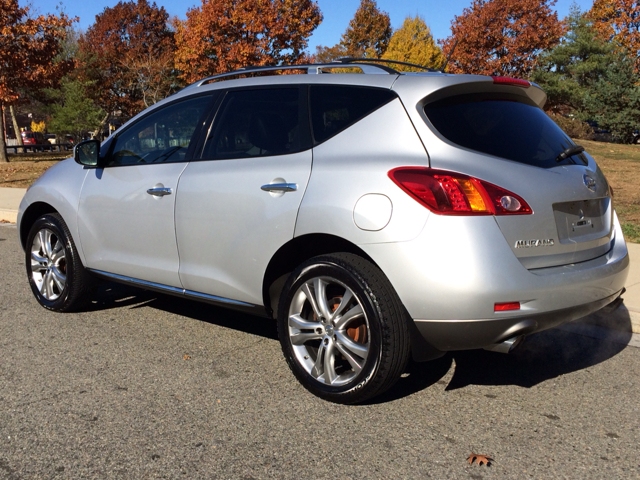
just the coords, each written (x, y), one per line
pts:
(382, 60)
(312, 68)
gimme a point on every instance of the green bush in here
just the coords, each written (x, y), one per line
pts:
(573, 127)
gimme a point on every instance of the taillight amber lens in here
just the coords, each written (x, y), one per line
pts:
(449, 193)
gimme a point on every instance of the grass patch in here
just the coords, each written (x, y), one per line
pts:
(38, 156)
(611, 151)
(21, 174)
(631, 232)
(24, 168)
(621, 165)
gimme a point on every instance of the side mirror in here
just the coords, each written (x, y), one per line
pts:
(87, 153)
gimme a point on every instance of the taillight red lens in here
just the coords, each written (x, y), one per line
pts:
(506, 307)
(515, 82)
(449, 193)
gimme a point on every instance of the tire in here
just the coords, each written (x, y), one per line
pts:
(56, 275)
(344, 351)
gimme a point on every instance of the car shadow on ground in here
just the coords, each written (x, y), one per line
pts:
(113, 295)
(539, 358)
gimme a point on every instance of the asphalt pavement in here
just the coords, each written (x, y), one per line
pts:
(143, 385)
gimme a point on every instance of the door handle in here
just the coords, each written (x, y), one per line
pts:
(280, 187)
(159, 191)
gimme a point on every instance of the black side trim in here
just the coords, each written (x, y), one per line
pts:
(181, 292)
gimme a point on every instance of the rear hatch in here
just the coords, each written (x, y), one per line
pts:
(497, 132)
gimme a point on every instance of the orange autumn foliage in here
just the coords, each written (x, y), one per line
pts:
(224, 35)
(128, 55)
(502, 36)
(27, 50)
(618, 21)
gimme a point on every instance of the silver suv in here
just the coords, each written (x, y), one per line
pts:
(376, 216)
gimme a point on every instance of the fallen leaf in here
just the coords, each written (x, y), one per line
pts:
(480, 459)
(186, 357)
(4, 221)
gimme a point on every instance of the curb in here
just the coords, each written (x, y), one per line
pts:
(10, 199)
(620, 325)
(10, 216)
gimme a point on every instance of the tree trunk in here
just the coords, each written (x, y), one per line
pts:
(16, 129)
(98, 130)
(3, 145)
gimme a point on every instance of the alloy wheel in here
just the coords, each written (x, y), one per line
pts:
(48, 264)
(328, 330)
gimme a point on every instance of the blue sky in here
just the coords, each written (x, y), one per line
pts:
(337, 13)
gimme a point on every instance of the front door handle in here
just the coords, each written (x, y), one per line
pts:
(159, 191)
(280, 187)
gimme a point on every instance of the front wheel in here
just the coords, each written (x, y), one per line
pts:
(343, 329)
(56, 275)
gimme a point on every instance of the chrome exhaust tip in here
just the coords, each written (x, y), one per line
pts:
(507, 346)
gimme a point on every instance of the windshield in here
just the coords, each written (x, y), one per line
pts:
(503, 126)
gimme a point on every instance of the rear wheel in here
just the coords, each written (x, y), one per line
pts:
(342, 328)
(56, 275)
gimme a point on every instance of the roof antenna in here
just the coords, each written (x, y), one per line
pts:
(449, 57)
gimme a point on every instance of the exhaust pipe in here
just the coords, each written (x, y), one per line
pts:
(616, 303)
(507, 346)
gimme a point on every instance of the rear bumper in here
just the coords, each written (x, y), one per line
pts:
(447, 335)
(451, 276)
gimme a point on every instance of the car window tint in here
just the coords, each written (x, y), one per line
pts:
(161, 137)
(503, 126)
(253, 123)
(336, 107)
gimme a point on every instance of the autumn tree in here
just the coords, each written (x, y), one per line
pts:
(329, 54)
(128, 55)
(502, 36)
(618, 21)
(27, 47)
(413, 43)
(368, 33)
(224, 35)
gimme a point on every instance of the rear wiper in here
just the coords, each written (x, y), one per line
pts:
(570, 151)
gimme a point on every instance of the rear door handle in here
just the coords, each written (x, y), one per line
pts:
(159, 191)
(280, 187)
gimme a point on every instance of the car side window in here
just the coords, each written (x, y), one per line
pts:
(161, 137)
(262, 122)
(334, 108)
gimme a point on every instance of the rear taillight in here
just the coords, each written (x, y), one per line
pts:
(449, 193)
(514, 82)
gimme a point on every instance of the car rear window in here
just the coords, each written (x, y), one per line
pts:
(336, 107)
(503, 126)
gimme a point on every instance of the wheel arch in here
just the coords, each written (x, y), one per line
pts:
(295, 252)
(30, 215)
(302, 248)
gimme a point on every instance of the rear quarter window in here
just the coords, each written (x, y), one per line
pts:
(501, 125)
